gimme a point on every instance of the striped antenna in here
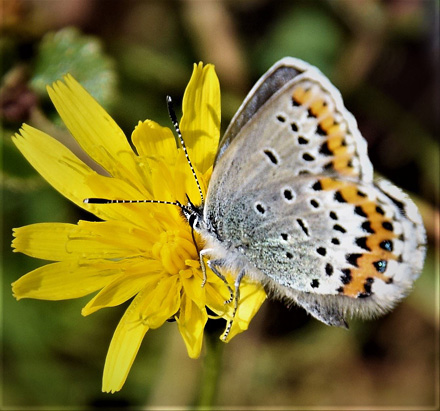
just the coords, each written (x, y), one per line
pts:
(173, 118)
(95, 200)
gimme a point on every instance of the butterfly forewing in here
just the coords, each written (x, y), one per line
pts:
(304, 118)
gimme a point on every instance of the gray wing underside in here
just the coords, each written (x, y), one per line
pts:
(303, 243)
(276, 145)
(275, 78)
(268, 119)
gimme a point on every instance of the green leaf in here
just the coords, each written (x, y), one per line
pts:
(69, 51)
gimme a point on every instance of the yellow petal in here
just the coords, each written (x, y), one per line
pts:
(126, 286)
(163, 189)
(154, 304)
(194, 290)
(46, 240)
(93, 128)
(200, 123)
(163, 302)
(252, 296)
(65, 280)
(216, 294)
(191, 322)
(184, 183)
(153, 140)
(124, 346)
(72, 178)
(58, 241)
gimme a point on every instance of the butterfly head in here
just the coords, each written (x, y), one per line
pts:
(194, 215)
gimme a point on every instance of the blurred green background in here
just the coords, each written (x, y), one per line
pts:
(382, 55)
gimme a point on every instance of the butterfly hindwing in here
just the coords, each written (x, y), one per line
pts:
(335, 246)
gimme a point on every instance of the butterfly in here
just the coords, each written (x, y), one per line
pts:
(292, 204)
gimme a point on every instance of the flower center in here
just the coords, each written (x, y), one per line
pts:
(174, 249)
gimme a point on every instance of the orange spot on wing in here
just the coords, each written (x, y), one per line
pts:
(341, 151)
(331, 184)
(365, 263)
(318, 108)
(342, 164)
(298, 94)
(359, 275)
(334, 142)
(327, 123)
(335, 128)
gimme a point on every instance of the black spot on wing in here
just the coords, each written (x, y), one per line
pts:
(367, 288)
(337, 227)
(271, 156)
(317, 186)
(333, 215)
(352, 259)
(321, 250)
(380, 210)
(380, 266)
(320, 130)
(324, 150)
(387, 226)
(328, 269)
(339, 197)
(281, 118)
(366, 226)
(359, 211)
(308, 157)
(362, 243)
(260, 208)
(288, 194)
(386, 245)
(346, 276)
(303, 226)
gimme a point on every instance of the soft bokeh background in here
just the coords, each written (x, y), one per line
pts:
(382, 55)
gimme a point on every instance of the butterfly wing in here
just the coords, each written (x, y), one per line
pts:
(333, 245)
(295, 105)
(292, 199)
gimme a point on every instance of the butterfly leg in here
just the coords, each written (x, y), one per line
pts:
(212, 264)
(202, 264)
(236, 300)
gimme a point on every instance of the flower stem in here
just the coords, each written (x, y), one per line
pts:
(212, 366)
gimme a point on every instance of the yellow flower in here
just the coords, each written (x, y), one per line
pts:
(140, 251)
